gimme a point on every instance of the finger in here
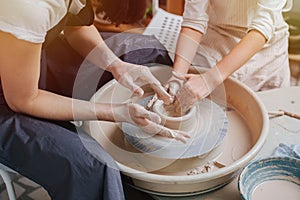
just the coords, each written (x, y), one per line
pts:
(153, 128)
(167, 89)
(185, 98)
(144, 76)
(162, 94)
(174, 87)
(188, 76)
(177, 106)
(137, 91)
(141, 117)
(176, 134)
(152, 117)
(170, 133)
(128, 82)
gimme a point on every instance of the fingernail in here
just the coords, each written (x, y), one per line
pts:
(138, 92)
(158, 119)
(171, 99)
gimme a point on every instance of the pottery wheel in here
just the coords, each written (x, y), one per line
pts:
(208, 133)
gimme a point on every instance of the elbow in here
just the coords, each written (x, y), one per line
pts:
(20, 101)
(18, 106)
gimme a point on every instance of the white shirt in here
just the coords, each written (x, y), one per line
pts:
(225, 22)
(262, 15)
(31, 19)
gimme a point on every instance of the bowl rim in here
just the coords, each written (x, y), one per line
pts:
(158, 178)
(267, 162)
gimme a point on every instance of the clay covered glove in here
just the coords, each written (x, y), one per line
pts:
(134, 76)
(131, 76)
(146, 120)
(174, 84)
(197, 87)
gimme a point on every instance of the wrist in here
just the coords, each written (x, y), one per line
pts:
(105, 56)
(212, 78)
(180, 66)
(105, 112)
(119, 112)
(115, 68)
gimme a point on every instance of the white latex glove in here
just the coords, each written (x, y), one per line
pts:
(197, 87)
(174, 84)
(135, 76)
(146, 120)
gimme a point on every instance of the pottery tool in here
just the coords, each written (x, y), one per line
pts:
(290, 114)
(276, 113)
(281, 112)
(151, 102)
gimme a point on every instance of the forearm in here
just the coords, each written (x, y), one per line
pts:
(87, 41)
(19, 71)
(241, 53)
(187, 45)
(56, 107)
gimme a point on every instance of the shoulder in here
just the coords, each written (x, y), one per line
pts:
(30, 19)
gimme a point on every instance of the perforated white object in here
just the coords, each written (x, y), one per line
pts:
(165, 27)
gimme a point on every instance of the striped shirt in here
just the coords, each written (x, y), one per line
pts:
(225, 22)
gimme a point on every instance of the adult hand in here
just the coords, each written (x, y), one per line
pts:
(134, 76)
(146, 120)
(197, 87)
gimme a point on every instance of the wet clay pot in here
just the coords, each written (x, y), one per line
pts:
(174, 120)
(205, 122)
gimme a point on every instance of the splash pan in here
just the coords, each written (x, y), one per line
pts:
(247, 131)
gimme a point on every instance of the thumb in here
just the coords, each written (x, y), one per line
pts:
(153, 117)
(162, 94)
(188, 76)
(137, 91)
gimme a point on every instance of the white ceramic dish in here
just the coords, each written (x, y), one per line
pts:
(278, 171)
(248, 129)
